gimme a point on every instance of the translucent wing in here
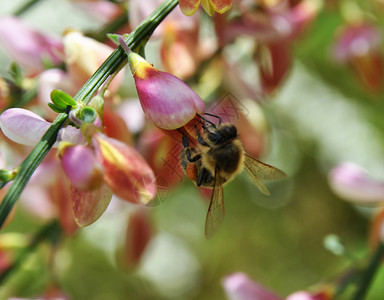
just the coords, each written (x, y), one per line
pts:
(216, 209)
(256, 170)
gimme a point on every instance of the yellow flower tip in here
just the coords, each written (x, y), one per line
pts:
(208, 7)
(189, 7)
(62, 146)
(145, 197)
(189, 12)
(138, 65)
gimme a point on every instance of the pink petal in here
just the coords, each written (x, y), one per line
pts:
(23, 126)
(166, 100)
(239, 286)
(351, 182)
(303, 295)
(90, 175)
(89, 206)
(356, 41)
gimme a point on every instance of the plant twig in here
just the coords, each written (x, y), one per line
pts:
(369, 273)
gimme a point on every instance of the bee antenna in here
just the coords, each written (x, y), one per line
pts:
(215, 116)
(206, 121)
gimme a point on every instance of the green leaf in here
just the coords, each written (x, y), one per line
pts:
(113, 38)
(56, 108)
(62, 99)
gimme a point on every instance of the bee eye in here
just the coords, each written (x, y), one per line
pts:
(214, 137)
(231, 131)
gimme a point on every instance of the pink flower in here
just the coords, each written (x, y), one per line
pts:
(94, 170)
(166, 100)
(27, 47)
(239, 286)
(189, 7)
(351, 182)
(303, 295)
(360, 46)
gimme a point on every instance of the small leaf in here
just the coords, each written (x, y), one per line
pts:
(62, 99)
(16, 74)
(113, 38)
(57, 109)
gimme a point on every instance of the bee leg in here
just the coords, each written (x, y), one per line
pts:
(202, 175)
(200, 138)
(189, 157)
(188, 150)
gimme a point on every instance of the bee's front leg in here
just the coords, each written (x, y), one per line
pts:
(188, 150)
(200, 138)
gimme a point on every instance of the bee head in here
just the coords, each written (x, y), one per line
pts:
(222, 134)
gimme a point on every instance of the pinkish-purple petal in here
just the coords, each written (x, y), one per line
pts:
(356, 40)
(351, 182)
(81, 167)
(166, 100)
(23, 126)
(239, 286)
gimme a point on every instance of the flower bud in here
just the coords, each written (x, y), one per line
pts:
(125, 170)
(166, 100)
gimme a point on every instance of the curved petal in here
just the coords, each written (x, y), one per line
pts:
(351, 182)
(221, 6)
(189, 7)
(89, 206)
(239, 286)
(166, 100)
(23, 126)
(125, 170)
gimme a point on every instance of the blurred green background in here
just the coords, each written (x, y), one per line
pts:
(322, 115)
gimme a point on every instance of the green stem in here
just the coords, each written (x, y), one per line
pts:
(369, 273)
(49, 231)
(113, 64)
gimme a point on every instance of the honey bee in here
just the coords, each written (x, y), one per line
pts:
(217, 158)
